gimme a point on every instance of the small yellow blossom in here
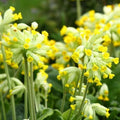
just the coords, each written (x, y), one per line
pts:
(73, 107)
(12, 8)
(58, 77)
(27, 40)
(95, 67)
(38, 45)
(106, 99)
(103, 68)
(88, 52)
(109, 65)
(107, 114)
(100, 97)
(45, 33)
(26, 46)
(15, 39)
(71, 99)
(86, 73)
(29, 59)
(90, 80)
(75, 57)
(111, 76)
(66, 85)
(66, 58)
(19, 15)
(106, 55)
(90, 117)
(116, 60)
(63, 30)
(105, 75)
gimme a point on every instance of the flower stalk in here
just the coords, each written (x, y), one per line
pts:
(9, 83)
(32, 89)
(28, 89)
(3, 106)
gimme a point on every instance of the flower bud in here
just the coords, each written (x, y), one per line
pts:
(34, 25)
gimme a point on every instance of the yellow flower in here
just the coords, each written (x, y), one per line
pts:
(14, 65)
(106, 92)
(106, 55)
(15, 39)
(66, 58)
(109, 65)
(71, 99)
(100, 97)
(73, 107)
(58, 77)
(12, 8)
(29, 59)
(86, 73)
(99, 84)
(63, 30)
(90, 80)
(19, 15)
(107, 114)
(66, 85)
(15, 16)
(111, 76)
(75, 57)
(103, 68)
(88, 52)
(116, 60)
(90, 117)
(102, 48)
(26, 46)
(45, 33)
(38, 45)
(95, 67)
(105, 75)
(27, 40)
(106, 99)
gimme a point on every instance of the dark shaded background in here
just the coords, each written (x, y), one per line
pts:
(52, 14)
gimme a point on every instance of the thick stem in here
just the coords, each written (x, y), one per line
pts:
(3, 106)
(9, 83)
(78, 8)
(32, 90)
(63, 100)
(28, 88)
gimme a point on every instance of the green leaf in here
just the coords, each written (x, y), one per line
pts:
(45, 113)
(56, 116)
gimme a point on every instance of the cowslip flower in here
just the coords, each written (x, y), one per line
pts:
(23, 43)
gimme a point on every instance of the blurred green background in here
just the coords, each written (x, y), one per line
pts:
(51, 15)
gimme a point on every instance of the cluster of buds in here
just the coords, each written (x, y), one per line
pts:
(108, 21)
(90, 110)
(103, 93)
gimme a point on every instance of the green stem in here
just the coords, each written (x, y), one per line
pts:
(112, 48)
(74, 95)
(3, 106)
(83, 100)
(32, 89)
(46, 98)
(28, 89)
(25, 98)
(78, 8)
(9, 83)
(81, 81)
(63, 100)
